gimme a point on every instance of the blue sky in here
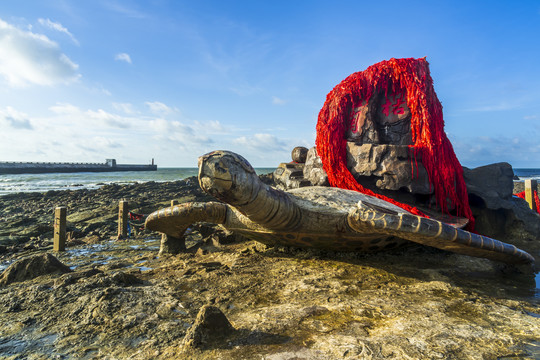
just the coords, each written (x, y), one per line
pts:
(172, 80)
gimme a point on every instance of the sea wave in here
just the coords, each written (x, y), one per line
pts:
(74, 181)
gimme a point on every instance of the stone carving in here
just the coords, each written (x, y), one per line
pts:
(388, 170)
(320, 217)
(389, 166)
(386, 119)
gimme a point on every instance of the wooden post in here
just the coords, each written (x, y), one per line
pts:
(59, 243)
(530, 187)
(174, 202)
(122, 219)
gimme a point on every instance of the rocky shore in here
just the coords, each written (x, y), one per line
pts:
(230, 298)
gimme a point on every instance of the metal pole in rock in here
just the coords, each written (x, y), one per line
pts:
(59, 243)
(530, 187)
(122, 219)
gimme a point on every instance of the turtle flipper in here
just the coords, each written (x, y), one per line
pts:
(174, 221)
(367, 218)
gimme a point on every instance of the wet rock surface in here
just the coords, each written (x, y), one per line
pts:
(31, 267)
(123, 300)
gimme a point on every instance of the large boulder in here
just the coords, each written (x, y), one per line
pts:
(313, 169)
(497, 212)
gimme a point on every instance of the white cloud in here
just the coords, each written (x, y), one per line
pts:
(278, 101)
(266, 142)
(126, 108)
(58, 27)
(28, 58)
(91, 116)
(211, 127)
(123, 57)
(159, 107)
(109, 118)
(98, 143)
(12, 118)
(165, 126)
(177, 132)
(68, 109)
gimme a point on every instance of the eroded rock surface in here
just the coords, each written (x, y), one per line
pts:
(31, 267)
(123, 300)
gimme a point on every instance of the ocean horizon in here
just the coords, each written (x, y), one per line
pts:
(14, 183)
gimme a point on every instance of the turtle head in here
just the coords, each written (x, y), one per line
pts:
(228, 177)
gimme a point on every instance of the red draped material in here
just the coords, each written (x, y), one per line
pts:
(537, 200)
(411, 77)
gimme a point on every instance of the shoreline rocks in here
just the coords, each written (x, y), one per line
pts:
(124, 300)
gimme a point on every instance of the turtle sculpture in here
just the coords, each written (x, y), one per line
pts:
(317, 217)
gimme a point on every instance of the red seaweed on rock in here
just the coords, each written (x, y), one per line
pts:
(412, 77)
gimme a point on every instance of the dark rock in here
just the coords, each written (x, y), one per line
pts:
(298, 154)
(268, 179)
(32, 267)
(201, 252)
(210, 326)
(205, 229)
(493, 183)
(497, 212)
(223, 236)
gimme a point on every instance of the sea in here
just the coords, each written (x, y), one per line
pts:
(93, 180)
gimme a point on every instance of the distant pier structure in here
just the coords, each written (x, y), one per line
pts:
(110, 165)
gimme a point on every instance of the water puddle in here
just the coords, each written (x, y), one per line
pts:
(5, 265)
(110, 251)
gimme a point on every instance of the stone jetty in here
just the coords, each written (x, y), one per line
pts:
(110, 165)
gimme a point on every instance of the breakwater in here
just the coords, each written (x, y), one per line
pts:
(110, 165)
